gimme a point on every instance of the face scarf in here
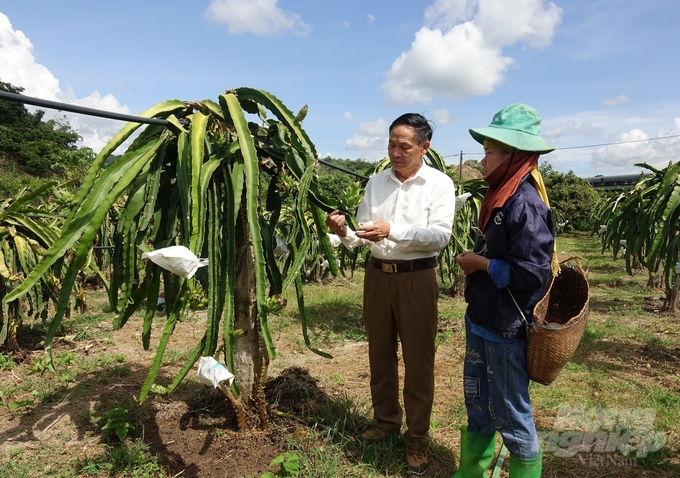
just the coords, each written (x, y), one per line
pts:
(504, 181)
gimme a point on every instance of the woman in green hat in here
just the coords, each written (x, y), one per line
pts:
(507, 273)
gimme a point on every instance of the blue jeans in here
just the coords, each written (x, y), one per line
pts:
(497, 392)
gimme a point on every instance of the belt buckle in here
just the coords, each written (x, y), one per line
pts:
(389, 268)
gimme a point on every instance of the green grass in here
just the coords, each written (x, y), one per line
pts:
(175, 356)
(93, 324)
(626, 349)
(6, 361)
(122, 460)
(626, 365)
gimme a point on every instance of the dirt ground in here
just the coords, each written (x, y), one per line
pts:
(194, 432)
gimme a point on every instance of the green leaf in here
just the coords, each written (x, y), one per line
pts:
(194, 355)
(300, 208)
(234, 178)
(281, 111)
(251, 164)
(162, 110)
(109, 187)
(303, 318)
(173, 316)
(216, 274)
(199, 124)
(27, 199)
(324, 239)
(88, 223)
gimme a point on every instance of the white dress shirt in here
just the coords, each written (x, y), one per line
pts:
(420, 213)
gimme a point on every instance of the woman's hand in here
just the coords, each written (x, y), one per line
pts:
(471, 262)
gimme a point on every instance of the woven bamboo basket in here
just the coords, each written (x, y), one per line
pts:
(559, 322)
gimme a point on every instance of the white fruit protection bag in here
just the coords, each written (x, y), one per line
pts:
(212, 372)
(176, 259)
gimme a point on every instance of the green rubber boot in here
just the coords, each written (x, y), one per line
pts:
(476, 454)
(523, 468)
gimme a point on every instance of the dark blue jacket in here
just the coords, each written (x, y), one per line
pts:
(522, 234)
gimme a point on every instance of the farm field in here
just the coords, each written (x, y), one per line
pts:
(613, 412)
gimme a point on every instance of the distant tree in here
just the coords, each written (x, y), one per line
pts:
(32, 145)
(12, 113)
(73, 163)
(13, 180)
(336, 183)
(647, 218)
(571, 198)
(357, 165)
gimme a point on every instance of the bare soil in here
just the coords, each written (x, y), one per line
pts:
(194, 431)
(470, 170)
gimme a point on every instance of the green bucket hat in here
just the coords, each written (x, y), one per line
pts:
(516, 125)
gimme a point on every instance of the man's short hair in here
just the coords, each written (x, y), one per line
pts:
(418, 122)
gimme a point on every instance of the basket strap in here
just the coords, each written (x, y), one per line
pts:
(518, 308)
(499, 462)
(572, 258)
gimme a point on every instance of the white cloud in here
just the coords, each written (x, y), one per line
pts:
(261, 17)
(446, 13)
(457, 63)
(636, 149)
(348, 116)
(459, 53)
(344, 25)
(95, 131)
(619, 100)
(19, 67)
(586, 128)
(507, 22)
(577, 135)
(370, 139)
(370, 19)
(441, 117)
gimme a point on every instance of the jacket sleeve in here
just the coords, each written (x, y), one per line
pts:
(530, 228)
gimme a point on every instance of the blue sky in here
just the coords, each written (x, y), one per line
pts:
(599, 72)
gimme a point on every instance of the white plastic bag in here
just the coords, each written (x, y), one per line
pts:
(281, 249)
(160, 307)
(176, 259)
(325, 264)
(335, 240)
(212, 372)
(460, 201)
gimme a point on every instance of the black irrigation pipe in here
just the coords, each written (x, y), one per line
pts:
(326, 163)
(79, 109)
(116, 116)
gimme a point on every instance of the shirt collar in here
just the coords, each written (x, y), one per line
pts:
(421, 173)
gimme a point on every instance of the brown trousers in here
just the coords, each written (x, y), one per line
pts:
(402, 306)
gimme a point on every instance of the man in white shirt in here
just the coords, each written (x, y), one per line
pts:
(405, 218)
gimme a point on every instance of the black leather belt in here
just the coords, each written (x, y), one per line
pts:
(392, 267)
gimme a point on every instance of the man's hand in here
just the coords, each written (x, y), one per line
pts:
(336, 223)
(374, 231)
(471, 262)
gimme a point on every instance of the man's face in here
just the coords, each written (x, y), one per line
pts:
(493, 158)
(406, 155)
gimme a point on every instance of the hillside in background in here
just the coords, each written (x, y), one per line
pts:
(34, 149)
